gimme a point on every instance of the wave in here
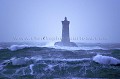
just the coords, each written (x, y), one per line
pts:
(79, 48)
(51, 67)
(17, 47)
(106, 60)
(20, 61)
(25, 60)
(51, 45)
(43, 65)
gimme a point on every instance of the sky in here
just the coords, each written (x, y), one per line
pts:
(96, 19)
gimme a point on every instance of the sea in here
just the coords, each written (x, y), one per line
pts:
(26, 60)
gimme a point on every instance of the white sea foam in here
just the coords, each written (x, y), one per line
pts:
(71, 59)
(31, 68)
(78, 48)
(37, 58)
(58, 59)
(50, 66)
(16, 47)
(106, 60)
(51, 45)
(19, 61)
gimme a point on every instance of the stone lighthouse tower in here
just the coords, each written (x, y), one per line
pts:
(65, 31)
(65, 35)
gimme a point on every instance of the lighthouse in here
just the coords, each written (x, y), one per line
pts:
(65, 41)
(65, 31)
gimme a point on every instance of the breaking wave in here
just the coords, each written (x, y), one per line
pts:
(51, 45)
(49, 61)
(20, 47)
(17, 47)
(106, 60)
(37, 67)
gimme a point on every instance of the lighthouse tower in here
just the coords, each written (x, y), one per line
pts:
(65, 35)
(65, 31)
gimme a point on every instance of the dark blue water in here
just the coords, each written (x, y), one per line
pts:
(41, 61)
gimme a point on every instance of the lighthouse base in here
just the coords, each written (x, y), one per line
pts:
(68, 44)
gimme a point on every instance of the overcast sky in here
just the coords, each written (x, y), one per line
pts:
(40, 18)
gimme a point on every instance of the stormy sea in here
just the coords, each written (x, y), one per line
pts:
(46, 61)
